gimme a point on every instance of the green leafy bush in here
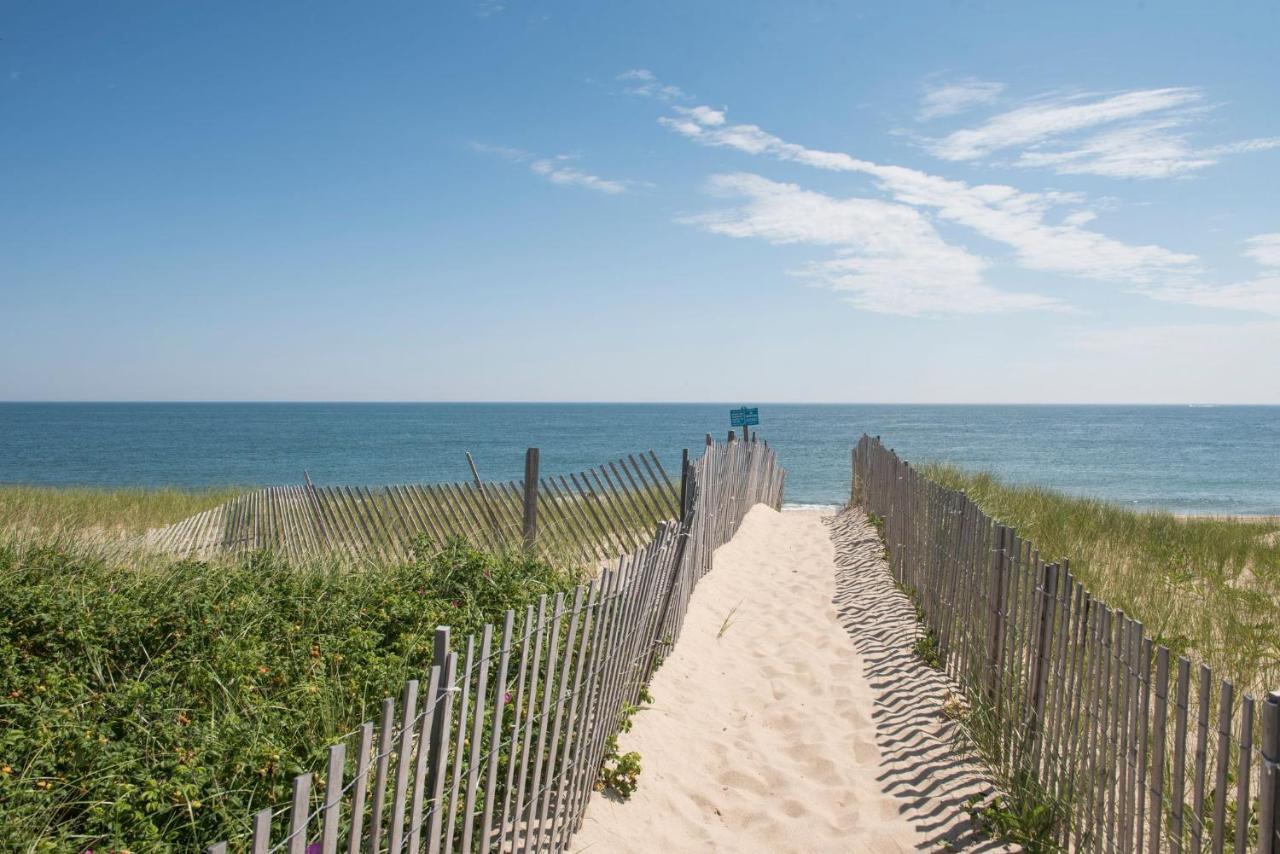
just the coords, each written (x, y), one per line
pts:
(620, 772)
(157, 708)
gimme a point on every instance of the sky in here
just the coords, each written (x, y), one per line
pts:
(499, 200)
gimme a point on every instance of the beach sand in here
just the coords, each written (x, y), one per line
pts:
(766, 733)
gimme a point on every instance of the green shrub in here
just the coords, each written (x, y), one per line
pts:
(927, 650)
(620, 772)
(157, 708)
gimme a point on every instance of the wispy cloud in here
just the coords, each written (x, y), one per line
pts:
(1143, 133)
(888, 257)
(555, 169)
(997, 212)
(1260, 295)
(1264, 249)
(643, 82)
(958, 96)
(1039, 121)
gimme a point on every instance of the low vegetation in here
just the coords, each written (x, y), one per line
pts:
(1204, 587)
(620, 772)
(1020, 812)
(926, 646)
(154, 705)
(82, 513)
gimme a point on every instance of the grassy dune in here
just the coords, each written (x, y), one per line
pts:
(1203, 586)
(101, 513)
(151, 703)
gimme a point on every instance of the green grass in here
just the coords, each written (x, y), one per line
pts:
(1205, 587)
(156, 705)
(104, 514)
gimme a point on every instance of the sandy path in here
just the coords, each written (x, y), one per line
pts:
(764, 733)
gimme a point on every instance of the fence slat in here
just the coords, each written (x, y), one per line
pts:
(1225, 695)
(380, 775)
(299, 812)
(356, 832)
(1157, 746)
(333, 797)
(495, 734)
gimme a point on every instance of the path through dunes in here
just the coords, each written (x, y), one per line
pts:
(774, 727)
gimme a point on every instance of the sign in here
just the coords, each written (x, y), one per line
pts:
(744, 417)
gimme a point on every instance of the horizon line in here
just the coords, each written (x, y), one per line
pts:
(341, 402)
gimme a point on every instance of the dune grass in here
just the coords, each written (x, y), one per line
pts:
(154, 706)
(1205, 587)
(51, 511)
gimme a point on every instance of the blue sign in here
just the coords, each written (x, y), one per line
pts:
(744, 417)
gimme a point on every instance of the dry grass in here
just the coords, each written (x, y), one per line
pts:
(1209, 587)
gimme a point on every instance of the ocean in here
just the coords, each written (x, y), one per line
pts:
(1222, 459)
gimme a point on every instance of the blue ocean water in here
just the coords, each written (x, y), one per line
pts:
(1185, 459)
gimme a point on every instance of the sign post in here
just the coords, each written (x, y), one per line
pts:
(744, 417)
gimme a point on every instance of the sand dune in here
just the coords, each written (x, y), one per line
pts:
(763, 735)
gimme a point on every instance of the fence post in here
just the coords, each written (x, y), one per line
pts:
(684, 481)
(1268, 782)
(530, 525)
(441, 723)
(995, 612)
(708, 440)
(437, 756)
(853, 476)
(730, 435)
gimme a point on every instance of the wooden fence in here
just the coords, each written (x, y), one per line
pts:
(1137, 752)
(590, 516)
(499, 746)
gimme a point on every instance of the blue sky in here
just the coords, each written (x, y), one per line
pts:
(966, 202)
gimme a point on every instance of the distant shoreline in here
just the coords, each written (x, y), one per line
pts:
(1230, 517)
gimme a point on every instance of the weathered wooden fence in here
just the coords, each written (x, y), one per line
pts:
(499, 746)
(1140, 753)
(590, 515)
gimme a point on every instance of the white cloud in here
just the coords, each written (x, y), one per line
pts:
(1079, 218)
(702, 115)
(554, 169)
(1040, 121)
(1265, 249)
(1260, 294)
(889, 257)
(1143, 150)
(997, 212)
(950, 99)
(1143, 133)
(643, 82)
(506, 152)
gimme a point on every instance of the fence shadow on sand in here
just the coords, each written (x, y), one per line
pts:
(921, 766)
